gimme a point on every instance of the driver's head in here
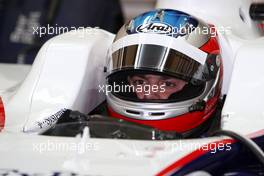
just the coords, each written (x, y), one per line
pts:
(155, 87)
(175, 71)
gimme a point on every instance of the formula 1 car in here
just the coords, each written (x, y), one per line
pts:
(63, 83)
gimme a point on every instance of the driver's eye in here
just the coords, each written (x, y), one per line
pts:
(139, 82)
(169, 84)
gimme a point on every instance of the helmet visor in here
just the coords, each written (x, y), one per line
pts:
(157, 58)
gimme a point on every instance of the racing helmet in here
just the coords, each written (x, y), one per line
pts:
(156, 52)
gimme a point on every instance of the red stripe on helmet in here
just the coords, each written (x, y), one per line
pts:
(211, 46)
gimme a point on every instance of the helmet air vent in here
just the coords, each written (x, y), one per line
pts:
(157, 113)
(133, 112)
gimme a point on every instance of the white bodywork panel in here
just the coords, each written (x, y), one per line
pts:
(91, 156)
(243, 111)
(67, 72)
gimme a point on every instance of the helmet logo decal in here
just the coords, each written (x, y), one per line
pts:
(158, 28)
